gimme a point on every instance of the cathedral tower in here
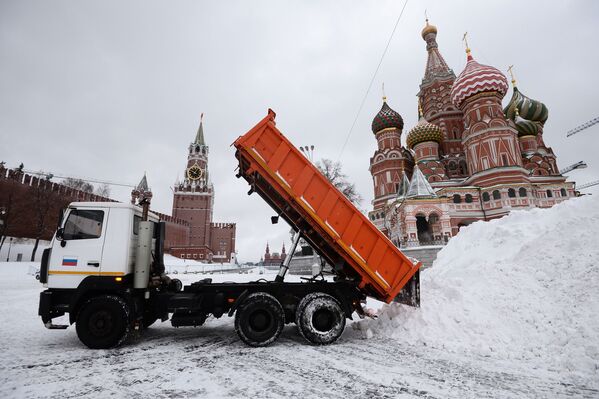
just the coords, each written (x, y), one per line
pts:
(390, 160)
(434, 96)
(490, 143)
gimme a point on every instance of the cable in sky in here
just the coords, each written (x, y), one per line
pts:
(372, 80)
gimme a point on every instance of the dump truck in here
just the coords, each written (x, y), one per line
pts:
(105, 266)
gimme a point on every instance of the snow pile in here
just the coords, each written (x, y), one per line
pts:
(524, 287)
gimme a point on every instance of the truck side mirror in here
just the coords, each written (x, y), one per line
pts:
(60, 237)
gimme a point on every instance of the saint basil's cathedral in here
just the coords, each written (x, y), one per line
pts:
(468, 158)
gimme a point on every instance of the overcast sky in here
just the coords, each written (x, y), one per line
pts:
(110, 89)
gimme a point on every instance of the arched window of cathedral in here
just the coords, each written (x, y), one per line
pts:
(549, 193)
(522, 192)
(511, 193)
(455, 133)
(563, 192)
(486, 197)
(496, 195)
(463, 168)
(468, 198)
(504, 159)
(457, 199)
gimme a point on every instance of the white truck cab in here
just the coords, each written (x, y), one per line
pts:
(94, 239)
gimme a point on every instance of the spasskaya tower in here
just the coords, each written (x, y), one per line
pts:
(193, 202)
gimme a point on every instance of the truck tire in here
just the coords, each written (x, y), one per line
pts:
(320, 318)
(259, 320)
(103, 322)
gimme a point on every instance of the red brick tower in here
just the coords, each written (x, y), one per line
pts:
(193, 199)
(425, 139)
(436, 103)
(390, 160)
(491, 144)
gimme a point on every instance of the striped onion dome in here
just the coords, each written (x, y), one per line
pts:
(386, 118)
(477, 78)
(424, 131)
(529, 109)
(525, 127)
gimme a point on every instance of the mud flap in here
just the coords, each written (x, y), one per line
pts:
(410, 293)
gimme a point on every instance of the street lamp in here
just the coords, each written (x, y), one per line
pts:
(9, 246)
(308, 151)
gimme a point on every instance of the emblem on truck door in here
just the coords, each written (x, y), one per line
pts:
(69, 261)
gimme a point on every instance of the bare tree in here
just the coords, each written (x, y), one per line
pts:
(103, 190)
(10, 210)
(41, 202)
(332, 171)
(78, 184)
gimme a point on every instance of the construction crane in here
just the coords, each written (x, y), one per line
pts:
(577, 165)
(587, 185)
(586, 125)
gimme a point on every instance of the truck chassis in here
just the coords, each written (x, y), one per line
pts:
(107, 311)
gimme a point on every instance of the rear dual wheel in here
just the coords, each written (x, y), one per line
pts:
(320, 318)
(259, 320)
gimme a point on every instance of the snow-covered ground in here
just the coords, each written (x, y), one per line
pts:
(509, 310)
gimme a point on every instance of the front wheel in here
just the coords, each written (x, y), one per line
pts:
(320, 318)
(259, 320)
(103, 322)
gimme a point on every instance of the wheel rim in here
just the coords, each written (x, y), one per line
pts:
(260, 320)
(323, 320)
(101, 323)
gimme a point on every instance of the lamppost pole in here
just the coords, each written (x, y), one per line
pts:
(9, 247)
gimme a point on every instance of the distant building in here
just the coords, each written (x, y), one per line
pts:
(468, 158)
(274, 259)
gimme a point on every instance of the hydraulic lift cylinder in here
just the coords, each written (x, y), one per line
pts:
(285, 265)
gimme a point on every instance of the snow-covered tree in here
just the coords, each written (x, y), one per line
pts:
(333, 172)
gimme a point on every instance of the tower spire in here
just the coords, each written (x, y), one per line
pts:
(510, 70)
(200, 134)
(436, 67)
(465, 40)
(384, 96)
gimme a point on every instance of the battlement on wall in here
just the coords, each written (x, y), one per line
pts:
(44, 185)
(223, 226)
(170, 219)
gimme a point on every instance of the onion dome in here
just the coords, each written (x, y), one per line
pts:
(424, 131)
(428, 29)
(386, 118)
(477, 78)
(525, 127)
(529, 109)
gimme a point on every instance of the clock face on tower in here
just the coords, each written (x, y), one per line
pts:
(194, 172)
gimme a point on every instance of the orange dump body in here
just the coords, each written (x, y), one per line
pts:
(297, 191)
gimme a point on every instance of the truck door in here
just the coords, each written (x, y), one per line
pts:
(77, 252)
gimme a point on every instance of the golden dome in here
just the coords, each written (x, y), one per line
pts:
(428, 29)
(424, 131)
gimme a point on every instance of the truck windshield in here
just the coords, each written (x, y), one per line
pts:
(83, 224)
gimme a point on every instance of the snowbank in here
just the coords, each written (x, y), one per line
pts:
(524, 287)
